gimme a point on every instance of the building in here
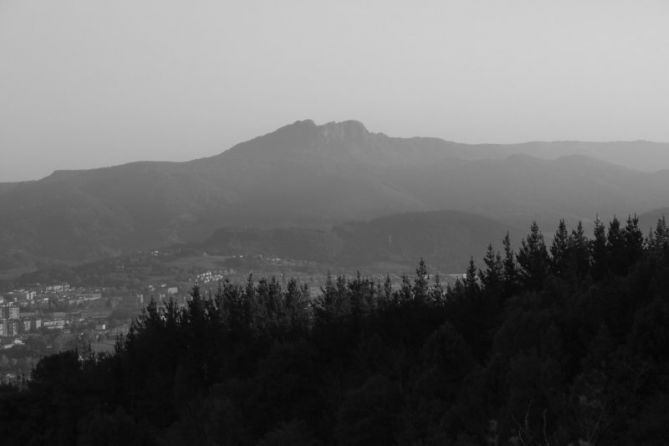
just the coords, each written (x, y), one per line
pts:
(10, 311)
(87, 297)
(58, 288)
(13, 327)
(14, 312)
(55, 324)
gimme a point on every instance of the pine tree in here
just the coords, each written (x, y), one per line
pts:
(327, 304)
(579, 253)
(615, 248)
(387, 290)
(658, 240)
(233, 305)
(361, 292)
(510, 268)
(437, 291)
(296, 302)
(262, 317)
(471, 280)
(533, 259)
(560, 250)
(493, 276)
(274, 304)
(251, 301)
(634, 242)
(598, 251)
(343, 300)
(405, 294)
(421, 283)
(661, 231)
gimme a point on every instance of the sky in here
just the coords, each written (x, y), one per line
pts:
(90, 83)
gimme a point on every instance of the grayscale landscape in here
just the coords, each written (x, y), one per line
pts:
(341, 223)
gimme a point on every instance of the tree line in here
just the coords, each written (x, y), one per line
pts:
(554, 343)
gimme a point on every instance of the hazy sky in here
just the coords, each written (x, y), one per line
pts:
(86, 83)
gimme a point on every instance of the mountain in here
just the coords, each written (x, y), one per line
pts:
(639, 155)
(520, 187)
(446, 239)
(6, 187)
(648, 220)
(308, 176)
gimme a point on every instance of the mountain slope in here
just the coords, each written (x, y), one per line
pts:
(443, 238)
(521, 187)
(648, 220)
(309, 176)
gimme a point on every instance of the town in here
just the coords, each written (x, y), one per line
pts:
(93, 311)
(43, 320)
(38, 320)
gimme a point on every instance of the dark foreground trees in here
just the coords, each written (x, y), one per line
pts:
(563, 342)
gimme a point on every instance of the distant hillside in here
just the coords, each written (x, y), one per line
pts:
(639, 155)
(648, 220)
(6, 187)
(309, 176)
(446, 239)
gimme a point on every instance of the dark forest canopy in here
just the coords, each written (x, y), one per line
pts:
(560, 342)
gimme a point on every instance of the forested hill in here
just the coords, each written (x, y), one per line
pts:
(444, 238)
(561, 342)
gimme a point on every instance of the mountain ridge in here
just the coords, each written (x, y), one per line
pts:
(306, 175)
(541, 149)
